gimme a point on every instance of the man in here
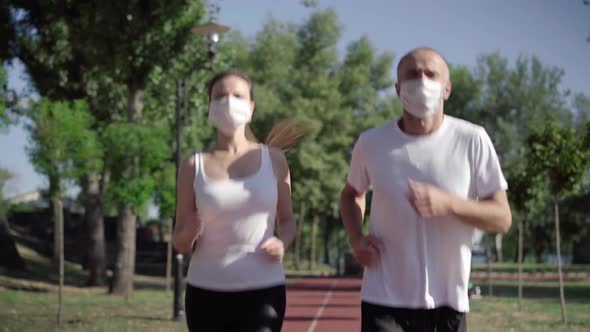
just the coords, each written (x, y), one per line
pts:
(435, 179)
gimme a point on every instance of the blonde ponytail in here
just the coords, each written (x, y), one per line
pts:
(286, 133)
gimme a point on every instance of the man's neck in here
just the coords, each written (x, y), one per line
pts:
(412, 125)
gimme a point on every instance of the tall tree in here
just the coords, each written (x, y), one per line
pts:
(557, 155)
(514, 100)
(526, 194)
(114, 44)
(48, 39)
(61, 147)
(130, 39)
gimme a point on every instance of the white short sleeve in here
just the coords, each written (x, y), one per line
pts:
(488, 173)
(358, 176)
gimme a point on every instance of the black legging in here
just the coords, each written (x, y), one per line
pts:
(377, 318)
(259, 310)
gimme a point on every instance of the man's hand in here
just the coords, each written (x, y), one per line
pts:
(274, 249)
(429, 201)
(367, 249)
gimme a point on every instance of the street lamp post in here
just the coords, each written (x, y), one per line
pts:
(212, 31)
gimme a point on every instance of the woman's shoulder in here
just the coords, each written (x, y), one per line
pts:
(276, 154)
(279, 161)
(190, 161)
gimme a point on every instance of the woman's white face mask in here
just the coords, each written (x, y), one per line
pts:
(421, 98)
(229, 113)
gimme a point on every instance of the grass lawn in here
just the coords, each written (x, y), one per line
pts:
(540, 308)
(88, 310)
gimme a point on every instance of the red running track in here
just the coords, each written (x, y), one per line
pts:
(323, 304)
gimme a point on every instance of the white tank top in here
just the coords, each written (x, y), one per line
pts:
(238, 215)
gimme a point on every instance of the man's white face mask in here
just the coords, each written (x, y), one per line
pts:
(229, 113)
(421, 98)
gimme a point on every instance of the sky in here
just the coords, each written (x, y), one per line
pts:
(555, 31)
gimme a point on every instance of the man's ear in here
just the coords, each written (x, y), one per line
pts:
(447, 90)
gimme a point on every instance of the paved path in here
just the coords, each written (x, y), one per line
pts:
(323, 304)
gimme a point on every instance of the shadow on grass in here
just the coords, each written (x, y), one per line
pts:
(148, 285)
(25, 288)
(40, 272)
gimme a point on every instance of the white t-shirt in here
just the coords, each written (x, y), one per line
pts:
(426, 261)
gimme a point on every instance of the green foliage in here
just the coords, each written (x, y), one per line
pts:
(527, 192)
(586, 141)
(465, 93)
(62, 143)
(165, 196)
(515, 100)
(44, 40)
(581, 109)
(130, 38)
(556, 154)
(21, 207)
(139, 145)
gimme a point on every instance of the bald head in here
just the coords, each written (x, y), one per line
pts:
(424, 63)
(423, 59)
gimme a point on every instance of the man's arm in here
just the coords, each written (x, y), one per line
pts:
(352, 209)
(490, 214)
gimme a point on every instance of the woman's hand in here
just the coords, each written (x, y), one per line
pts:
(274, 249)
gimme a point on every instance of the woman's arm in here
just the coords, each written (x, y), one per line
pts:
(286, 227)
(188, 226)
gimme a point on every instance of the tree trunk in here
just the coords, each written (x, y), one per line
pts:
(54, 206)
(58, 222)
(558, 247)
(520, 235)
(499, 255)
(125, 260)
(313, 248)
(327, 232)
(94, 219)
(126, 232)
(297, 259)
(339, 253)
(134, 102)
(169, 256)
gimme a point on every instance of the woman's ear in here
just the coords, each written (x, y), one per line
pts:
(252, 106)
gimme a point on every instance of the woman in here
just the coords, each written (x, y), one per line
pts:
(229, 199)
